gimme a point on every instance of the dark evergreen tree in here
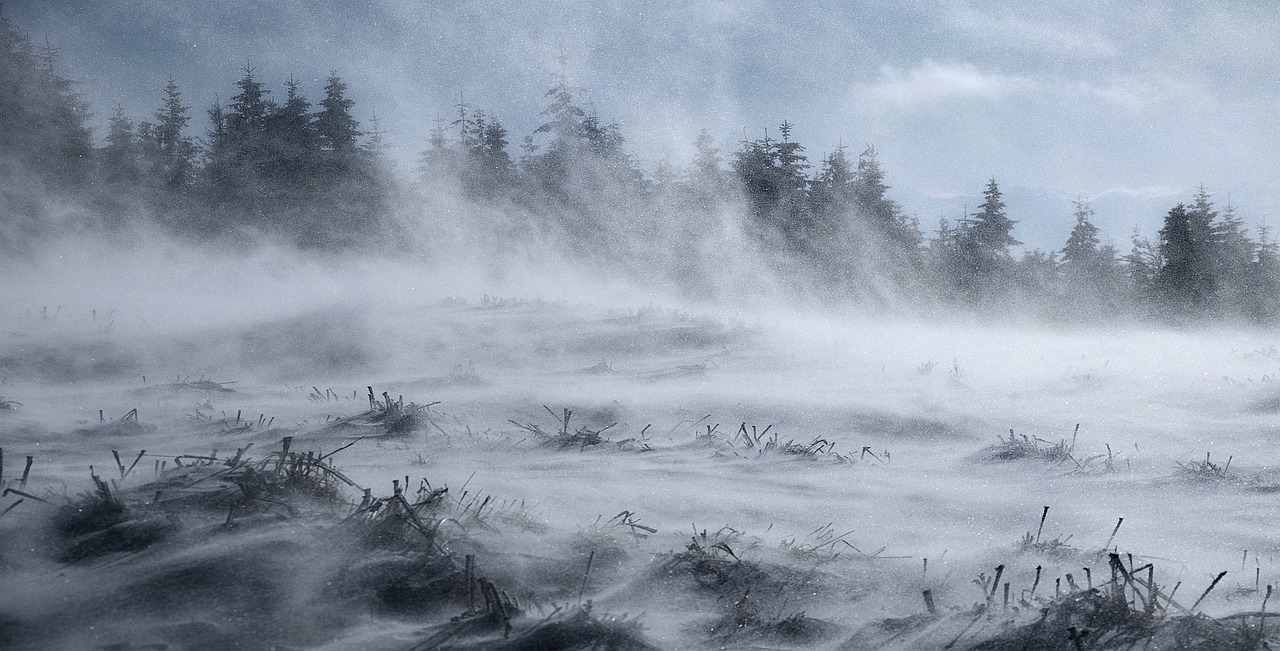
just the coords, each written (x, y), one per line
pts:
(1233, 255)
(772, 174)
(564, 116)
(217, 171)
(488, 170)
(119, 161)
(174, 164)
(494, 159)
(246, 117)
(583, 171)
(900, 236)
(940, 255)
(792, 164)
(438, 163)
(1091, 274)
(293, 142)
(560, 163)
(833, 192)
(756, 172)
(238, 151)
(990, 228)
(982, 263)
(1081, 252)
(1142, 264)
(1264, 288)
(335, 127)
(1182, 284)
(42, 118)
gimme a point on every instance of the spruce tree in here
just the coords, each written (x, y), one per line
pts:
(118, 161)
(175, 166)
(1232, 256)
(42, 118)
(336, 128)
(496, 168)
(982, 263)
(832, 191)
(292, 138)
(1080, 255)
(900, 236)
(707, 182)
(991, 229)
(438, 162)
(1181, 283)
(246, 116)
(564, 116)
(1265, 286)
(772, 173)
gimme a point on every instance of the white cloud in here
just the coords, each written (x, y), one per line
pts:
(1142, 192)
(932, 82)
(1057, 39)
(1037, 36)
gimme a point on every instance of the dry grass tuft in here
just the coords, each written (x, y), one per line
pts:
(1020, 447)
(564, 628)
(1205, 471)
(565, 437)
(127, 425)
(390, 417)
(745, 621)
(763, 442)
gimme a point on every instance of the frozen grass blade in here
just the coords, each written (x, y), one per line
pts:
(1209, 589)
(583, 589)
(135, 463)
(1113, 534)
(10, 508)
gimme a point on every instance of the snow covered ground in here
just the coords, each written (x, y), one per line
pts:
(726, 478)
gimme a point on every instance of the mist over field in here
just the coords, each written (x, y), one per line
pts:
(485, 326)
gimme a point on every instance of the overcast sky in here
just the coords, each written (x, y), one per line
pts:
(1129, 104)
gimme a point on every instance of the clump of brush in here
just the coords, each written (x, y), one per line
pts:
(127, 425)
(1207, 471)
(564, 436)
(501, 626)
(764, 442)
(389, 416)
(1132, 609)
(751, 441)
(747, 619)
(235, 490)
(1020, 447)
(397, 417)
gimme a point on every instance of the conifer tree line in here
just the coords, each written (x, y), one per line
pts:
(268, 161)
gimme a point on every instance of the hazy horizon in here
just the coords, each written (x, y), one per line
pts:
(1132, 107)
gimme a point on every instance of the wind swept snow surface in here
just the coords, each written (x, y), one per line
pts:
(521, 473)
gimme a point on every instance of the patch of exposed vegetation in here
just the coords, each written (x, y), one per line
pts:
(127, 425)
(389, 417)
(1020, 447)
(565, 437)
(1206, 471)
